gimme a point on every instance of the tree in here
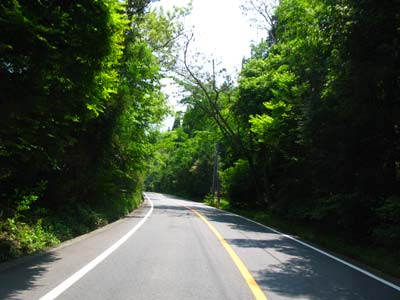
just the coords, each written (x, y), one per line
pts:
(81, 101)
(57, 67)
(183, 164)
(213, 93)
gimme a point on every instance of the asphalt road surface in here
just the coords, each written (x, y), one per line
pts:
(186, 250)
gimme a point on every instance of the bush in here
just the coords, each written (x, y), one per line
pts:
(388, 230)
(237, 184)
(18, 238)
(352, 213)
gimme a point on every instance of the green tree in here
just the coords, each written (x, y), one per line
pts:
(183, 164)
(81, 101)
(320, 102)
(57, 65)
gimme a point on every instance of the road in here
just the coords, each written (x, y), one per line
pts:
(186, 250)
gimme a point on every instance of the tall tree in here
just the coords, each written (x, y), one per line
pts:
(57, 74)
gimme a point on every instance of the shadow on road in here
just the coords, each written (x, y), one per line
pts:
(235, 222)
(300, 273)
(20, 275)
(299, 279)
(173, 210)
(297, 272)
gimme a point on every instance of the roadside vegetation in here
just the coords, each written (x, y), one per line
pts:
(80, 104)
(309, 135)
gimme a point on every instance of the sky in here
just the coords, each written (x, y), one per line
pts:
(220, 29)
(221, 32)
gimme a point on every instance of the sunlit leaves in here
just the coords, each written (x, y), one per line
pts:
(263, 126)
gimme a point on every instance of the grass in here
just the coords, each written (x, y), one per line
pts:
(211, 201)
(385, 262)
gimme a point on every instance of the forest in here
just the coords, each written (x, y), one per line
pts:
(79, 106)
(309, 132)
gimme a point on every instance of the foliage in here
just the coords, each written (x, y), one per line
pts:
(67, 71)
(211, 201)
(184, 164)
(18, 238)
(80, 104)
(237, 183)
(388, 231)
(325, 141)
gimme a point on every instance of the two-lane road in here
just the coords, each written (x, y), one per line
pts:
(185, 250)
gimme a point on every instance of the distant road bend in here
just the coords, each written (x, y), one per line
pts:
(176, 249)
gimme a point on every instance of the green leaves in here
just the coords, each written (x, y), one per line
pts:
(263, 126)
(183, 163)
(79, 105)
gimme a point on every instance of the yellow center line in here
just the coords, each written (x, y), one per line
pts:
(251, 282)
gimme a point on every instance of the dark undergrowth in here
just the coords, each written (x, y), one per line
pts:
(27, 232)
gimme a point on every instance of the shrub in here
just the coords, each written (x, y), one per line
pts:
(18, 238)
(388, 230)
(237, 184)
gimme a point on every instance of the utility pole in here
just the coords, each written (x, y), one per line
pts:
(215, 185)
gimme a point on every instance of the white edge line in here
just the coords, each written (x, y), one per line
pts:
(392, 285)
(63, 286)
